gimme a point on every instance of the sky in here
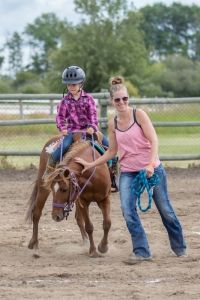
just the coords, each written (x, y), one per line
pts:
(16, 14)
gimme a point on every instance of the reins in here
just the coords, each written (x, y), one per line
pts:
(140, 183)
(74, 186)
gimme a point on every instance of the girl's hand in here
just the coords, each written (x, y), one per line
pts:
(90, 130)
(64, 132)
(149, 171)
(83, 163)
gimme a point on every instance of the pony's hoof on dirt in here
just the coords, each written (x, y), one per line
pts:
(32, 245)
(102, 249)
(94, 255)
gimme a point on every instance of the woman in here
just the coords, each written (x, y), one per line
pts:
(132, 133)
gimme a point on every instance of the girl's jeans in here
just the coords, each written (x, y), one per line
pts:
(68, 141)
(165, 209)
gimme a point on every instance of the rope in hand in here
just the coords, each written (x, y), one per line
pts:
(140, 183)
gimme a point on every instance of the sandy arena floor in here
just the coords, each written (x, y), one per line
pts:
(61, 268)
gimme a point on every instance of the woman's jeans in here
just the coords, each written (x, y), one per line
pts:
(165, 209)
(68, 141)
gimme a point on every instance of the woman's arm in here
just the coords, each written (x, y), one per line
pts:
(109, 154)
(150, 133)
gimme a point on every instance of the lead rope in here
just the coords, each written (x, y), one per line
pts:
(94, 157)
(140, 183)
(61, 149)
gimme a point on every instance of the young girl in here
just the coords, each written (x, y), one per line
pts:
(78, 109)
(132, 132)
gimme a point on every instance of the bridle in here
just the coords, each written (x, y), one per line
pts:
(74, 187)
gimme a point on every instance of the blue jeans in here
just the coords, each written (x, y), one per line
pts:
(68, 141)
(165, 209)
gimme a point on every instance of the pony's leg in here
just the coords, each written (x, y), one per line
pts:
(37, 212)
(105, 208)
(89, 228)
(81, 224)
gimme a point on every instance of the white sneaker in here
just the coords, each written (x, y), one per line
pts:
(184, 255)
(136, 259)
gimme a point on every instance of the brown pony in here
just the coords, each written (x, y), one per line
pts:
(70, 186)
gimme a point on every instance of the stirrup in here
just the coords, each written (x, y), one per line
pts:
(114, 184)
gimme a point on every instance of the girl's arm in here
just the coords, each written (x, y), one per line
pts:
(92, 113)
(109, 154)
(61, 116)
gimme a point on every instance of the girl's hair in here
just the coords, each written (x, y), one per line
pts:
(116, 84)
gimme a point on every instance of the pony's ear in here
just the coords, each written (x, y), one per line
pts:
(66, 173)
(50, 169)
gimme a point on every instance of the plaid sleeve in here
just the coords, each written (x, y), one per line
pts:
(61, 115)
(92, 110)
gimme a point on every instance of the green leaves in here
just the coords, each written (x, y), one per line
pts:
(171, 29)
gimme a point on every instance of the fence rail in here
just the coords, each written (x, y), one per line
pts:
(103, 103)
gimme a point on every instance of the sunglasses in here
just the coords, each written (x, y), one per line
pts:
(117, 100)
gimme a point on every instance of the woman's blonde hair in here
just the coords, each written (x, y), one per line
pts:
(116, 84)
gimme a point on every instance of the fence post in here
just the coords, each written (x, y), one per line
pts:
(103, 114)
(51, 107)
(21, 109)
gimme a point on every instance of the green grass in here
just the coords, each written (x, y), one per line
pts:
(169, 144)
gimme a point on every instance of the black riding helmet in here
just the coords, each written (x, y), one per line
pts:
(73, 75)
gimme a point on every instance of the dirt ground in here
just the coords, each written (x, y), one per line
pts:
(61, 268)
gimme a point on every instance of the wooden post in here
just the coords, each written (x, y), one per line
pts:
(103, 114)
(51, 107)
(21, 110)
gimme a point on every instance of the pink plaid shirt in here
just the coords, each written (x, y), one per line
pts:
(77, 113)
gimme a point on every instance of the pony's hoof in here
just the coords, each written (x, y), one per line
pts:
(32, 245)
(94, 255)
(102, 249)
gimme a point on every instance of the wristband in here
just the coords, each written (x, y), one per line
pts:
(152, 164)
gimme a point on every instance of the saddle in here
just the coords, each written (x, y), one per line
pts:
(97, 138)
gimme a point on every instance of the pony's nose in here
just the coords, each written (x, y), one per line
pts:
(58, 218)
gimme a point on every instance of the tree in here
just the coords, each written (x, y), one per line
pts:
(169, 29)
(178, 76)
(14, 45)
(97, 10)
(43, 37)
(1, 61)
(102, 47)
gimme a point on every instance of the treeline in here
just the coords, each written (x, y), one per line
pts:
(156, 49)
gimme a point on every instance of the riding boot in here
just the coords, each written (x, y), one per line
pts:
(115, 178)
(51, 164)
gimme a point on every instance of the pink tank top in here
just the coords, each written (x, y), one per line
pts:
(134, 148)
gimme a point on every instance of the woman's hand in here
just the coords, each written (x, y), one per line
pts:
(149, 171)
(64, 132)
(83, 163)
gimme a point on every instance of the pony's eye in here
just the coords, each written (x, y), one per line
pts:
(63, 190)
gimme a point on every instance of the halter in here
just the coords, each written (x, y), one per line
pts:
(74, 187)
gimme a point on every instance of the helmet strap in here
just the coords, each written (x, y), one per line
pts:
(64, 92)
(80, 88)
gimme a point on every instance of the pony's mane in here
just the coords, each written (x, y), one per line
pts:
(58, 173)
(73, 151)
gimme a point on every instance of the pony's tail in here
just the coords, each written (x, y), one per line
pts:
(31, 203)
